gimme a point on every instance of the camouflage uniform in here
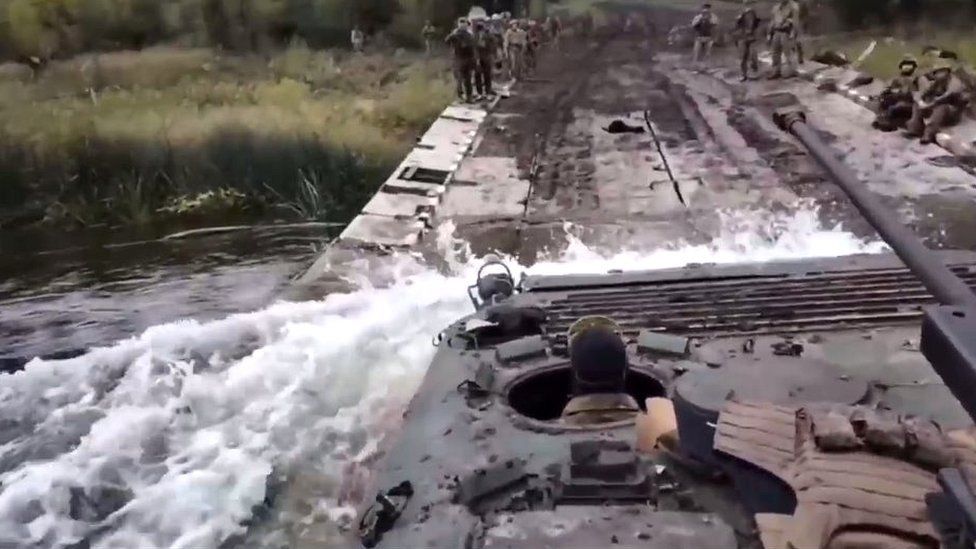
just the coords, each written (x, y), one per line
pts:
(747, 31)
(358, 39)
(782, 36)
(897, 101)
(800, 10)
(599, 408)
(555, 28)
(516, 40)
(943, 102)
(462, 42)
(586, 25)
(428, 33)
(497, 29)
(534, 34)
(485, 59)
(704, 25)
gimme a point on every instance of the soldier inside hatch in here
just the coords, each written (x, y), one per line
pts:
(598, 363)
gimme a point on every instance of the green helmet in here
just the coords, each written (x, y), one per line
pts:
(590, 322)
(942, 65)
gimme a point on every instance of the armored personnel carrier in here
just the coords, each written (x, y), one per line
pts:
(810, 410)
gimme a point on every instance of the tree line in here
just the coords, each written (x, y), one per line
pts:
(44, 29)
(853, 14)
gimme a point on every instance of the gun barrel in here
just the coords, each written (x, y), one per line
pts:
(947, 288)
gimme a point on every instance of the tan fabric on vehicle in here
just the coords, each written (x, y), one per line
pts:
(772, 534)
(762, 434)
(857, 491)
(871, 540)
(834, 431)
(772, 529)
(600, 408)
(849, 496)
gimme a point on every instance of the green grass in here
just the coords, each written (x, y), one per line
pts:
(129, 137)
(883, 61)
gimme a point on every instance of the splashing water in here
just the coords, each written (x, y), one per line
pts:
(176, 437)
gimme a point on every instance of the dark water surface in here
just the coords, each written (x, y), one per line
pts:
(62, 293)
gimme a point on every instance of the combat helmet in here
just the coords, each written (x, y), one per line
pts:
(908, 59)
(941, 65)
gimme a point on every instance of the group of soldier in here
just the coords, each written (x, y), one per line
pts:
(486, 46)
(922, 104)
(482, 46)
(783, 35)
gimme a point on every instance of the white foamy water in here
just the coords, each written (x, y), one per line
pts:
(174, 438)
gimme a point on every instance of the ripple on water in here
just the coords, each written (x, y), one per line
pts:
(84, 296)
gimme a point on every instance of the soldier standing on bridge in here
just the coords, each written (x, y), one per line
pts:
(463, 45)
(782, 36)
(747, 32)
(587, 25)
(554, 27)
(428, 33)
(800, 9)
(704, 25)
(515, 42)
(534, 34)
(357, 38)
(484, 57)
(497, 28)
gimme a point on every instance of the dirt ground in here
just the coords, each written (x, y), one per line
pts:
(714, 147)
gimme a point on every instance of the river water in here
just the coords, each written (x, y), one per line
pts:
(173, 433)
(61, 293)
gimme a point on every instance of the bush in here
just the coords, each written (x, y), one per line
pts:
(416, 101)
(153, 144)
(884, 59)
(299, 62)
(27, 28)
(47, 29)
(853, 14)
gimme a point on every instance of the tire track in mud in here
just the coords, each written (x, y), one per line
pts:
(625, 82)
(797, 171)
(747, 109)
(748, 113)
(555, 170)
(610, 184)
(552, 124)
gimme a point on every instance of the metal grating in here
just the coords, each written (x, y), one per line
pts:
(752, 305)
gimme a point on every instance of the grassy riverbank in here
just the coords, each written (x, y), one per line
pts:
(129, 137)
(889, 49)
